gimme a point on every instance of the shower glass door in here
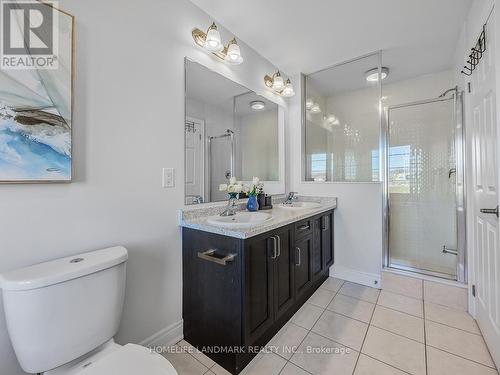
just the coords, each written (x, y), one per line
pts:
(421, 187)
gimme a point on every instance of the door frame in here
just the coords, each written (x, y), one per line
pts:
(203, 153)
(460, 191)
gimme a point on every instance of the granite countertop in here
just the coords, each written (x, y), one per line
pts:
(195, 216)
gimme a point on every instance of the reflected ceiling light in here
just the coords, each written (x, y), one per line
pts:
(211, 41)
(372, 74)
(315, 108)
(257, 105)
(278, 84)
(309, 104)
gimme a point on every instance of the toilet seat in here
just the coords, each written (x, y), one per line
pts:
(130, 359)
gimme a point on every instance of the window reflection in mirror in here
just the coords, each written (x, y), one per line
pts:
(229, 131)
(342, 123)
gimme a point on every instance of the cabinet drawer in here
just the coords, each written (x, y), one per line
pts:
(303, 228)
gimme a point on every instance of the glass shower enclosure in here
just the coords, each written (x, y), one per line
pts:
(425, 225)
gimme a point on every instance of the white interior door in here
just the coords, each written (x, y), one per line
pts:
(194, 159)
(484, 169)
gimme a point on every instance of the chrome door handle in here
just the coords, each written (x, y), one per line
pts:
(279, 245)
(298, 264)
(492, 211)
(274, 247)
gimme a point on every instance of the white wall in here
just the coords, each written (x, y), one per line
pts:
(128, 124)
(358, 218)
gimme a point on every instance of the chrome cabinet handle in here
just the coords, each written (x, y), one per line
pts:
(304, 227)
(274, 247)
(279, 245)
(325, 223)
(492, 211)
(298, 264)
(210, 256)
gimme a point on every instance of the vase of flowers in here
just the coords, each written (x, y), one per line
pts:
(253, 204)
(233, 189)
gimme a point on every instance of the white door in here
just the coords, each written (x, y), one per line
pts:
(194, 159)
(485, 184)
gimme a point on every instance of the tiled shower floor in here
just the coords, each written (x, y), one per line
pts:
(346, 328)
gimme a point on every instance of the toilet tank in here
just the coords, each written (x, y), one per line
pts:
(60, 310)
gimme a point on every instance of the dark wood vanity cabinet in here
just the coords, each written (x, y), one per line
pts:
(237, 293)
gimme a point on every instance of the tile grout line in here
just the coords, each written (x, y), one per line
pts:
(464, 358)
(309, 330)
(366, 333)
(425, 332)
(459, 329)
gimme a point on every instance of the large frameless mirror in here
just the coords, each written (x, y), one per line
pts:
(230, 131)
(342, 122)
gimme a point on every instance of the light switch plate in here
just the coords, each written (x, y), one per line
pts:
(168, 180)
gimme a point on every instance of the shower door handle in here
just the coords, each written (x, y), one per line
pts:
(492, 211)
(452, 171)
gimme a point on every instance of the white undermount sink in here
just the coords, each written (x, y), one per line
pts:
(301, 206)
(241, 219)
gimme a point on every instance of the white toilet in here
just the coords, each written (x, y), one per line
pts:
(62, 316)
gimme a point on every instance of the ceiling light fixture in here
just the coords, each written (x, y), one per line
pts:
(211, 41)
(279, 85)
(372, 74)
(257, 105)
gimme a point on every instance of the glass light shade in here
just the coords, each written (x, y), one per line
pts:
(233, 55)
(278, 82)
(212, 41)
(309, 104)
(288, 90)
(315, 108)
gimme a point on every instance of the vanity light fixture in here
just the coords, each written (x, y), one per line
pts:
(211, 41)
(279, 85)
(372, 74)
(315, 108)
(257, 105)
(332, 120)
(309, 104)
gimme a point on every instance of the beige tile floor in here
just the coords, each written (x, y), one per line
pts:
(350, 329)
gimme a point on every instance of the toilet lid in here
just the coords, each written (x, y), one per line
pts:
(130, 359)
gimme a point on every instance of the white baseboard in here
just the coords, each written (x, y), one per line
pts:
(355, 276)
(167, 336)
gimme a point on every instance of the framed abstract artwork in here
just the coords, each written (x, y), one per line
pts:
(36, 92)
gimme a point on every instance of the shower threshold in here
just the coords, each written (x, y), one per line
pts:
(423, 271)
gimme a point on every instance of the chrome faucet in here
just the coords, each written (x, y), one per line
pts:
(231, 207)
(197, 199)
(292, 196)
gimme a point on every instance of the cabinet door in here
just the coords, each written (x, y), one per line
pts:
(259, 288)
(303, 263)
(284, 293)
(327, 239)
(318, 258)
